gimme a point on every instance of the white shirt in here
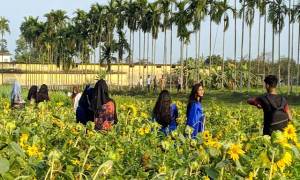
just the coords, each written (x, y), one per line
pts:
(141, 82)
(148, 81)
(76, 100)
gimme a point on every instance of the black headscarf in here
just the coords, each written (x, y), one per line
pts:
(43, 94)
(101, 95)
(32, 93)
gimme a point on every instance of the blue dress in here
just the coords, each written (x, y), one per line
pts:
(195, 118)
(173, 124)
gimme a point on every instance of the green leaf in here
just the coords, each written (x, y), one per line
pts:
(212, 173)
(4, 166)
(295, 151)
(17, 149)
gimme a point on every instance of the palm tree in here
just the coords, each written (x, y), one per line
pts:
(4, 27)
(249, 20)
(277, 13)
(164, 6)
(181, 19)
(289, 50)
(298, 54)
(198, 10)
(145, 25)
(225, 7)
(132, 24)
(262, 6)
(242, 13)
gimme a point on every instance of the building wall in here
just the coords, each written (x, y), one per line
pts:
(37, 74)
(5, 58)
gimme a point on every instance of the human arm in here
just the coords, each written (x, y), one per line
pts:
(287, 110)
(193, 119)
(255, 102)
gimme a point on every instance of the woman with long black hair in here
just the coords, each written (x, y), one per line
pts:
(165, 113)
(32, 94)
(42, 95)
(84, 112)
(195, 115)
(104, 107)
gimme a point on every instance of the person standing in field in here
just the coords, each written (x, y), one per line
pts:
(42, 95)
(195, 115)
(32, 94)
(76, 95)
(275, 107)
(104, 107)
(84, 111)
(155, 85)
(148, 83)
(162, 83)
(165, 113)
(141, 83)
(16, 96)
(179, 84)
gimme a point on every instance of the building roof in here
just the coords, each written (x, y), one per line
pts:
(4, 53)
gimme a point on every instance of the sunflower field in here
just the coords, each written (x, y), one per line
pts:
(45, 142)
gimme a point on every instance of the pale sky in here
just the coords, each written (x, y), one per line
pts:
(16, 10)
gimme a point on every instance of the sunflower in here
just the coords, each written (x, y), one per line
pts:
(235, 151)
(290, 133)
(281, 139)
(23, 140)
(206, 135)
(33, 150)
(287, 158)
(162, 169)
(141, 131)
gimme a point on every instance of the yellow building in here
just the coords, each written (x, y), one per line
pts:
(37, 74)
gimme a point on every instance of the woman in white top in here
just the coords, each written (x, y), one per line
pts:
(76, 95)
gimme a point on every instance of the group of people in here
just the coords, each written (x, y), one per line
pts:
(152, 82)
(94, 104)
(35, 95)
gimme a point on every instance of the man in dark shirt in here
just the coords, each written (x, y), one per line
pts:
(275, 107)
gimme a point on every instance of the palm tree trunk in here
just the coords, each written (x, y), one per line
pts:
(196, 56)
(129, 62)
(181, 61)
(242, 48)
(210, 36)
(199, 52)
(171, 49)
(235, 60)
(223, 56)
(132, 59)
(279, 59)
(273, 49)
(264, 48)
(298, 56)
(144, 56)
(289, 50)
(2, 58)
(165, 51)
(258, 46)
(292, 53)
(148, 49)
(249, 60)
(140, 54)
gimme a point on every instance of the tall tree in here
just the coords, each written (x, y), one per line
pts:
(4, 28)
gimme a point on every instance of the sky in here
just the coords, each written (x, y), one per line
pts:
(16, 10)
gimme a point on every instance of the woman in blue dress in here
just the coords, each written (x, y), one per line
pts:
(195, 115)
(165, 113)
